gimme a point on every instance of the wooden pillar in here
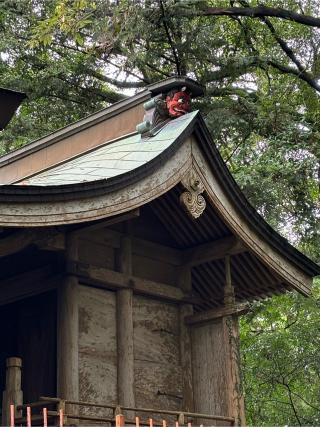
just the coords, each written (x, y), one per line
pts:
(125, 329)
(215, 359)
(13, 393)
(185, 283)
(68, 331)
(232, 343)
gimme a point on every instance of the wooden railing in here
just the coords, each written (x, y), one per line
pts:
(119, 415)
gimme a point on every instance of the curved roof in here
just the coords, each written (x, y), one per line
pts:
(114, 158)
(130, 172)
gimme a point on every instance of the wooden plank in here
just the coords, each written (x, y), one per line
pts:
(213, 250)
(116, 280)
(216, 313)
(158, 376)
(97, 348)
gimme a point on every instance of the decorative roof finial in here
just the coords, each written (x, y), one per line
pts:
(171, 99)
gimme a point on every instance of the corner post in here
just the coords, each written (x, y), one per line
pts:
(67, 332)
(185, 283)
(125, 328)
(232, 341)
(13, 394)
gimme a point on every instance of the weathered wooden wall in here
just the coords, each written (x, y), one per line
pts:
(97, 345)
(158, 381)
(157, 373)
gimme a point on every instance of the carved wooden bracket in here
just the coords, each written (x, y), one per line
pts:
(192, 199)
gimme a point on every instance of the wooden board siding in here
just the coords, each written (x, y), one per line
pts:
(97, 346)
(93, 250)
(156, 354)
(152, 269)
(209, 369)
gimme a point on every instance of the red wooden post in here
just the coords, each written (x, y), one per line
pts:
(11, 415)
(28, 416)
(120, 421)
(60, 417)
(45, 417)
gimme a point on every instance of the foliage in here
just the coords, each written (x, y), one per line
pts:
(262, 107)
(280, 349)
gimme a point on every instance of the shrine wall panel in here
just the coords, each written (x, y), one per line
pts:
(157, 371)
(209, 360)
(97, 346)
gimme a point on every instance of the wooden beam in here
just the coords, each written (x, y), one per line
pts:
(110, 279)
(108, 221)
(213, 250)
(146, 248)
(216, 313)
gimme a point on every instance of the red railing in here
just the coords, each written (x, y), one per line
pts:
(119, 419)
(68, 410)
(29, 417)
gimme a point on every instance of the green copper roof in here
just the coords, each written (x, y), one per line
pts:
(113, 158)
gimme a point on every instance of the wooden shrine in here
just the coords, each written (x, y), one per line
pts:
(127, 253)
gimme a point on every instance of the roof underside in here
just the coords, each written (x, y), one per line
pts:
(251, 278)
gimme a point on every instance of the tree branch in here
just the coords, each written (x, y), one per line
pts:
(251, 12)
(173, 48)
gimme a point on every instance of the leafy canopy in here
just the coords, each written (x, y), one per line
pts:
(260, 65)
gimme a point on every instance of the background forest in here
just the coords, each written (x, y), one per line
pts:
(260, 63)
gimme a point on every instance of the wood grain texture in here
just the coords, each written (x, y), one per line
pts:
(216, 379)
(157, 354)
(97, 347)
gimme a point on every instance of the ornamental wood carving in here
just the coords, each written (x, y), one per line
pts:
(192, 199)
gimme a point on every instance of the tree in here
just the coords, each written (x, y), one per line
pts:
(260, 65)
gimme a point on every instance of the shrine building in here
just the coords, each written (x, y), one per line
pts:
(127, 254)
